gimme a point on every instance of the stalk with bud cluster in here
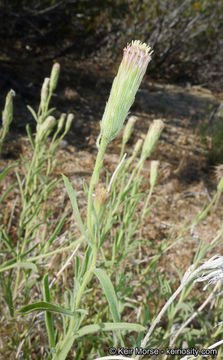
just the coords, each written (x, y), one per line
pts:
(136, 57)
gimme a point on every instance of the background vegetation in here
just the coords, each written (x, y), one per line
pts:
(185, 34)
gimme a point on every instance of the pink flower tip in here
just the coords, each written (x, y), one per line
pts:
(138, 53)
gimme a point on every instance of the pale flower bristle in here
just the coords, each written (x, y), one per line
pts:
(137, 44)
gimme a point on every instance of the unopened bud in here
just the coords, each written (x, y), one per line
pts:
(153, 173)
(44, 93)
(7, 114)
(129, 129)
(151, 139)
(46, 126)
(125, 85)
(50, 121)
(137, 147)
(54, 76)
(70, 118)
(61, 121)
(100, 200)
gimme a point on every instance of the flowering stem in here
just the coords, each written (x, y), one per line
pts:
(94, 181)
(68, 340)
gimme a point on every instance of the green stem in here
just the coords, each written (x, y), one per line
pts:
(42, 256)
(137, 169)
(122, 151)
(94, 181)
(68, 339)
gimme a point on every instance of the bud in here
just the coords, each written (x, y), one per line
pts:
(61, 121)
(70, 118)
(152, 137)
(125, 85)
(100, 200)
(54, 76)
(44, 93)
(153, 173)
(7, 114)
(49, 122)
(129, 129)
(46, 126)
(137, 147)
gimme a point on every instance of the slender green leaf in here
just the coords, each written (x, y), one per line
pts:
(46, 288)
(50, 111)
(8, 242)
(73, 200)
(85, 187)
(45, 306)
(7, 191)
(28, 130)
(48, 315)
(109, 293)
(33, 112)
(4, 173)
(90, 329)
(27, 265)
(55, 233)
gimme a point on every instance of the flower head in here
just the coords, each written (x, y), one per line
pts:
(136, 57)
(54, 77)
(7, 113)
(129, 129)
(151, 139)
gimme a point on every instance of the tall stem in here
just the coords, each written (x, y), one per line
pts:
(68, 339)
(94, 181)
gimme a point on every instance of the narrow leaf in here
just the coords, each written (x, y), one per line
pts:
(48, 315)
(45, 306)
(7, 191)
(109, 293)
(4, 173)
(90, 329)
(27, 265)
(32, 112)
(55, 233)
(28, 130)
(74, 204)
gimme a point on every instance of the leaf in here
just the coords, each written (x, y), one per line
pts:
(90, 329)
(27, 265)
(46, 288)
(109, 293)
(7, 191)
(4, 173)
(48, 315)
(28, 130)
(55, 233)
(74, 204)
(45, 306)
(50, 111)
(32, 112)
